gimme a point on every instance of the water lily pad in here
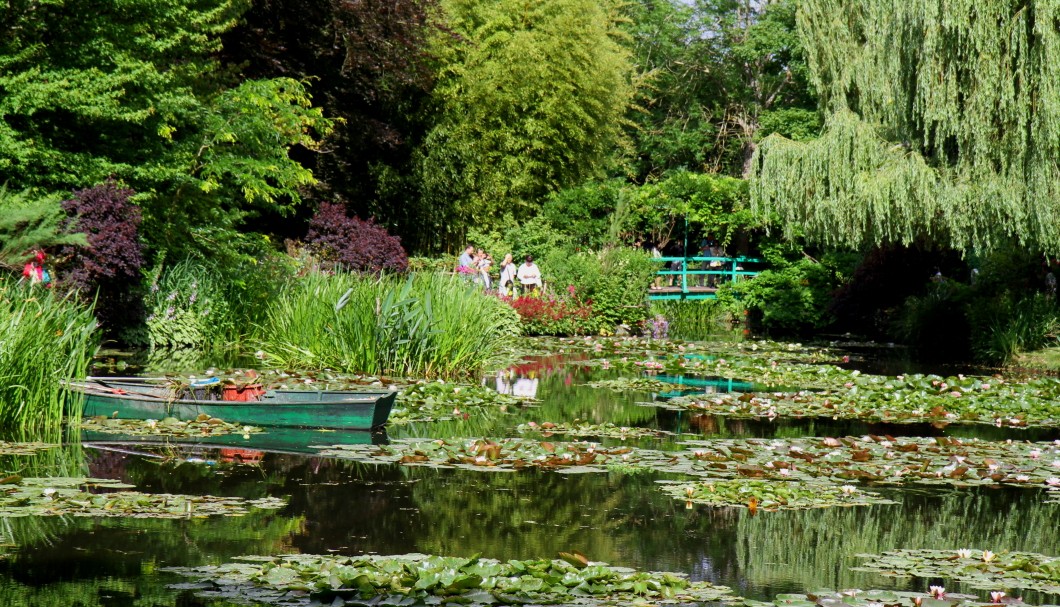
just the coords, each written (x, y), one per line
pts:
(210, 426)
(879, 460)
(108, 498)
(29, 448)
(423, 579)
(977, 567)
(770, 495)
(486, 455)
(579, 428)
(878, 598)
(439, 401)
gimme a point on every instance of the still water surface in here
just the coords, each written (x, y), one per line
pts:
(344, 507)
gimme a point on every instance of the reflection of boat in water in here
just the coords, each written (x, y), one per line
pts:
(698, 385)
(273, 440)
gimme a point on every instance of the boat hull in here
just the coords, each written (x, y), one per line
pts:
(339, 410)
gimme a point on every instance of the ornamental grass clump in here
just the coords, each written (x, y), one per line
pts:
(425, 325)
(46, 339)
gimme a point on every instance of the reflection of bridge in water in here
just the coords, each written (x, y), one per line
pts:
(700, 385)
(699, 277)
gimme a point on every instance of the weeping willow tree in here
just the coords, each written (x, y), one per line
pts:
(942, 124)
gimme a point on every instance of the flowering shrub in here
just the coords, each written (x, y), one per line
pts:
(656, 328)
(356, 244)
(553, 316)
(185, 306)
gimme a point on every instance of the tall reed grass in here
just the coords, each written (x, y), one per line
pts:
(46, 338)
(694, 320)
(425, 325)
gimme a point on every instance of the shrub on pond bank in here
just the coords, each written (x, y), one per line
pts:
(46, 338)
(425, 325)
(184, 306)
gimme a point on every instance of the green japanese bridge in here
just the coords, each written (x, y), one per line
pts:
(699, 277)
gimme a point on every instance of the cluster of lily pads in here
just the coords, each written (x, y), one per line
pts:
(107, 498)
(14, 448)
(204, 425)
(770, 495)
(879, 460)
(935, 597)
(485, 455)
(840, 394)
(978, 568)
(439, 400)
(574, 580)
(579, 428)
(423, 579)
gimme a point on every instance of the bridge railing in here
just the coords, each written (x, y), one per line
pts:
(699, 277)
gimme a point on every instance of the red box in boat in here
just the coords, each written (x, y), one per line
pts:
(242, 393)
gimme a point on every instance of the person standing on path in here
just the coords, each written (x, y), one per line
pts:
(529, 276)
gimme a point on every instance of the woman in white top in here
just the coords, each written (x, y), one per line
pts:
(507, 282)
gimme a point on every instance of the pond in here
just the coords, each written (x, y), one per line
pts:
(335, 503)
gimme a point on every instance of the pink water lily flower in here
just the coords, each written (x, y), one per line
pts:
(996, 596)
(937, 591)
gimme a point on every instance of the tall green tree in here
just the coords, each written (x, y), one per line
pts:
(943, 126)
(719, 74)
(532, 96)
(370, 68)
(132, 90)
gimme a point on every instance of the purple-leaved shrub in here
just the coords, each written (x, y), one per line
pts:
(110, 264)
(355, 244)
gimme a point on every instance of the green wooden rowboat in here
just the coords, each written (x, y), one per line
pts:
(332, 409)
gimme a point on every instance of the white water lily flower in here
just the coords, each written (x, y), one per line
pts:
(1053, 482)
(49, 492)
(151, 423)
(1022, 478)
(785, 472)
(964, 553)
(1056, 463)
(988, 556)
(848, 489)
(996, 596)
(1035, 454)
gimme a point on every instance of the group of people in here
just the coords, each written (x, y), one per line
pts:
(527, 276)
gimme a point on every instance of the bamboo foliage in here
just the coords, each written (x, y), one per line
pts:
(942, 122)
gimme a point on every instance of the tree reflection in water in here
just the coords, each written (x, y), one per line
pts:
(620, 517)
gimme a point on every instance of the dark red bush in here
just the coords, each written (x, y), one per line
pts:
(354, 243)
(111, 223)
(109, 267)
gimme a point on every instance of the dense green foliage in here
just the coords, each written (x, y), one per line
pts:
(942, 123)
(136, 93)
(717, 76)
(185, 306)
(28, 223)
(425, 325)
(47, 339)
(532, 99)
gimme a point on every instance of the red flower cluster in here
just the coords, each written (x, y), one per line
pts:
(551, 316)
